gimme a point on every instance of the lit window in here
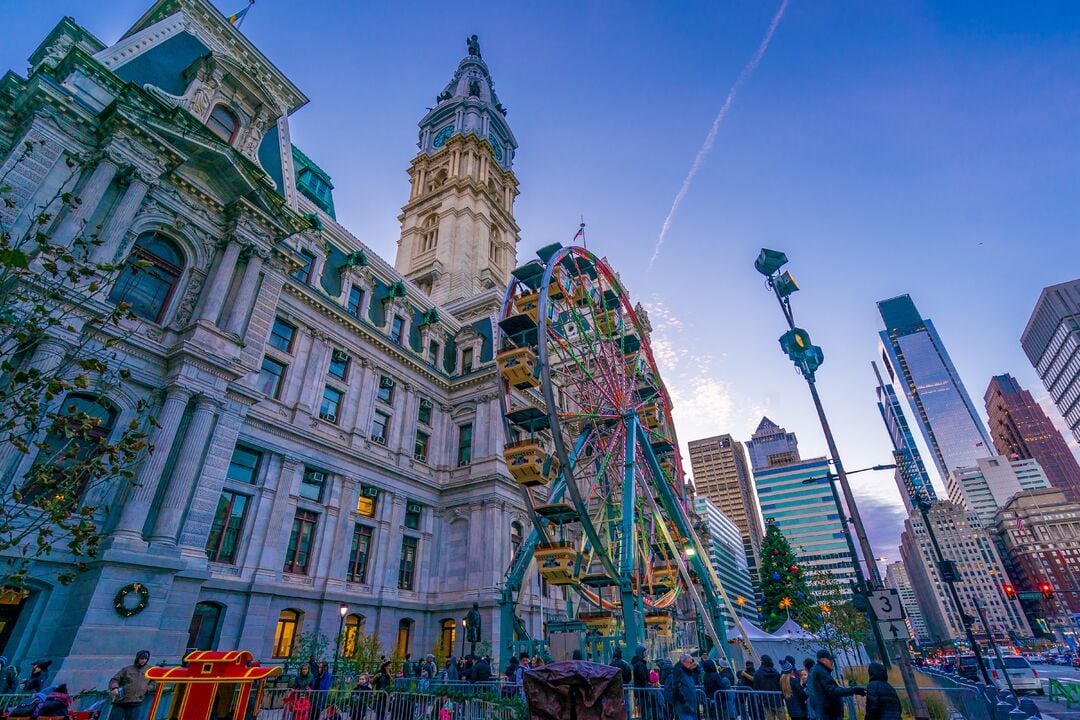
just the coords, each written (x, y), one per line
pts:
(149, 276)
(224, 538)
(339, 365)
(397, 326)
(244, 465)
(298, 553)
(288, 625)
(223, 123)
(365, 505)
(354, 628)
(356, 300)
(378, 427)
(270, 377)
(282, 334)
(331, 403)
(420, 449)
(464, 452)
(407, 567)
(358, 556)
(385, 393)
(404, 637)
(312, 484)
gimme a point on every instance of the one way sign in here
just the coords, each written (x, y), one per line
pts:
(894, 630)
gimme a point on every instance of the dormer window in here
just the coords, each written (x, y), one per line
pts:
(223, 123)
(303, 274)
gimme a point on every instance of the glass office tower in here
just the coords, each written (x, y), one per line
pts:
(911, 476)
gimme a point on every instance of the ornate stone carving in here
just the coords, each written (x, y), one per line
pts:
(191, 297)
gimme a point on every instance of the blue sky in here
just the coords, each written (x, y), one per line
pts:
(927, 148)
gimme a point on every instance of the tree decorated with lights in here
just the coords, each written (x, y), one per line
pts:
(782, 581)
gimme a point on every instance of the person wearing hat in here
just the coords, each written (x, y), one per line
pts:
(882, 702)
(792, 690)
(130, 686)
(9, 676)
(39, 671)
(825, 694)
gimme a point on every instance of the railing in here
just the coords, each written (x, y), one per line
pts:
(1067, 690)
(8, 701)
(495, 686)
(733, 704)
(281, 704)
(954, 696)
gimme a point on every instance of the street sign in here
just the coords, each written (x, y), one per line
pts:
(894, 630)
(886, 605)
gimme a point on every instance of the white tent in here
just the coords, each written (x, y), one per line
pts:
(791, 630)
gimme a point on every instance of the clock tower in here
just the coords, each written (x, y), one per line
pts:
(458, 235)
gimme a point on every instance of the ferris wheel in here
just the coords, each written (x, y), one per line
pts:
(591, 443)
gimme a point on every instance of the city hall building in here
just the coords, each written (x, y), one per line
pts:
(328, 423)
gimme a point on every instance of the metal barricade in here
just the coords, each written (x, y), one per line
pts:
(8, 701)
(283, 704)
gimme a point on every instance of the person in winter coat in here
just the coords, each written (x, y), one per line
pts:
(383, 681)
(792, 690)
(408, 667)
(825, 695)
(303, 680)
(57, 703)
(451, 670)
(39, 672)
(710, 683)
(130, 686)
(767, 685)
(9, 676)
(481, 671)
(804, 677)
(324, 679)
(627, 671)
(882, 702)
(639, 668)
(680, 690)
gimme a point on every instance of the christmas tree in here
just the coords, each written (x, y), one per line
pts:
(782, 582)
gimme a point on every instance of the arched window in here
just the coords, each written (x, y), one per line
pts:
(517, 534)
(149, 277)
(494, 240)
(404, 637)
(354, 628)
(223, 122)
(429, 233)
(447, 637)
(288, 629)
(62, 470)
(205, 625)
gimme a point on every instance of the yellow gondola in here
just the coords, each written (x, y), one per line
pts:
(664, 578)
(557, 563)
(529, 463)
(528, 304)
(519, 367)
(650, 416)
(603, 623)
(607, 322)
(663, 624)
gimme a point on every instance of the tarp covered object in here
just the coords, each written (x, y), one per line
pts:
(575, 690)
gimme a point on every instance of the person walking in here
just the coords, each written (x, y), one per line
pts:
(792, 690)
(882, 702)
(618, 662)
(451, 671)
(825, 694)
(9, 676)
(408, 668)
(39, 672)
(429, 666)
(804, 677)
(639, 669)
(767, 687)
(711, 685)
(680, 691)
(130, 686)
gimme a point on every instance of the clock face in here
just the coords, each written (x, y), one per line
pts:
(442, 136)
(496, 147)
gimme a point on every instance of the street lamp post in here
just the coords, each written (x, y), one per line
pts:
(464, 625)
(808, 358)
(343, 610)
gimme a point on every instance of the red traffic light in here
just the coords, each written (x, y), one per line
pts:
(1010, 591)
(1046, 589)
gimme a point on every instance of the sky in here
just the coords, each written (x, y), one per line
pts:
(887, 148)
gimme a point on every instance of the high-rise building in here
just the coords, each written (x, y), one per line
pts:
(980, 572)
(1038, 533)
(1020, 428)
(807, 515)
(771, 445)
(915, 358)
(721, 475)
(896, 577)
(910, 474)
(1051, 341)
(725, 546)
(989, 484)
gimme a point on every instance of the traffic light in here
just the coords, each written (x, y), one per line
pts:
(807, 357)
(1010, 592)
(1047, 590)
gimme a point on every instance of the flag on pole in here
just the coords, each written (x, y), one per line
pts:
(236, 17)
(1019, 522)
(579, 234)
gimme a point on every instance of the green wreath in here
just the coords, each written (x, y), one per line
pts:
(123, 609)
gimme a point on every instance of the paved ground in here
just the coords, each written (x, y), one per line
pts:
(1057, 709)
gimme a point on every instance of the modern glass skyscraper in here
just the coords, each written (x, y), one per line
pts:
(911, 476)
(1051, 341)
(916, 359)
(725, 544)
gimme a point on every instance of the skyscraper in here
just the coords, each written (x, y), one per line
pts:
(896, 576)
(913, 351)
(988, 485)
(1051, 341)
(771, 445)
(1020, 428)
(725, 546)
(911, 476)
(721, 475)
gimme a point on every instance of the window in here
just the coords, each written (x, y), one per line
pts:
(281, 335)
(466, 360)
(356, 301)
(404, 637)
(378, 427)
(339, 365)
(407, 568)
(447, 637)
(303, 274)
(429, 233)
(397, 327)
(203, 630)
(413, 511)
(64, 463)
(223, 123)
(493, 245)
(244, 466)
(464, 445)
(224, 538)
(358, 556)
(270, 376)
(354, 628)
(331, 403)
(300, 540)
(369, 497)
(517, 533)
(149, 276)
(288, 627)
(312, 484)
(423, 415)
(421, 447)
(433, 352)
(385, 393)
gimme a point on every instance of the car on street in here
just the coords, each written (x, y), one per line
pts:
(1021, 675)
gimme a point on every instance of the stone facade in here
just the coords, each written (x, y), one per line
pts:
(313, 400)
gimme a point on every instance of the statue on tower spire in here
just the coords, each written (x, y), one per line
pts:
(473, 43)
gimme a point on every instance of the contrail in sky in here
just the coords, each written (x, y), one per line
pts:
(710, 139)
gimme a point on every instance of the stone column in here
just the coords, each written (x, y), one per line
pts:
(137, 507)
(90, 196)
(188, 463)
(217, 287)
(245, 299)
(117, 225)
(47, 358)
(314, 379)
(272, 556)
